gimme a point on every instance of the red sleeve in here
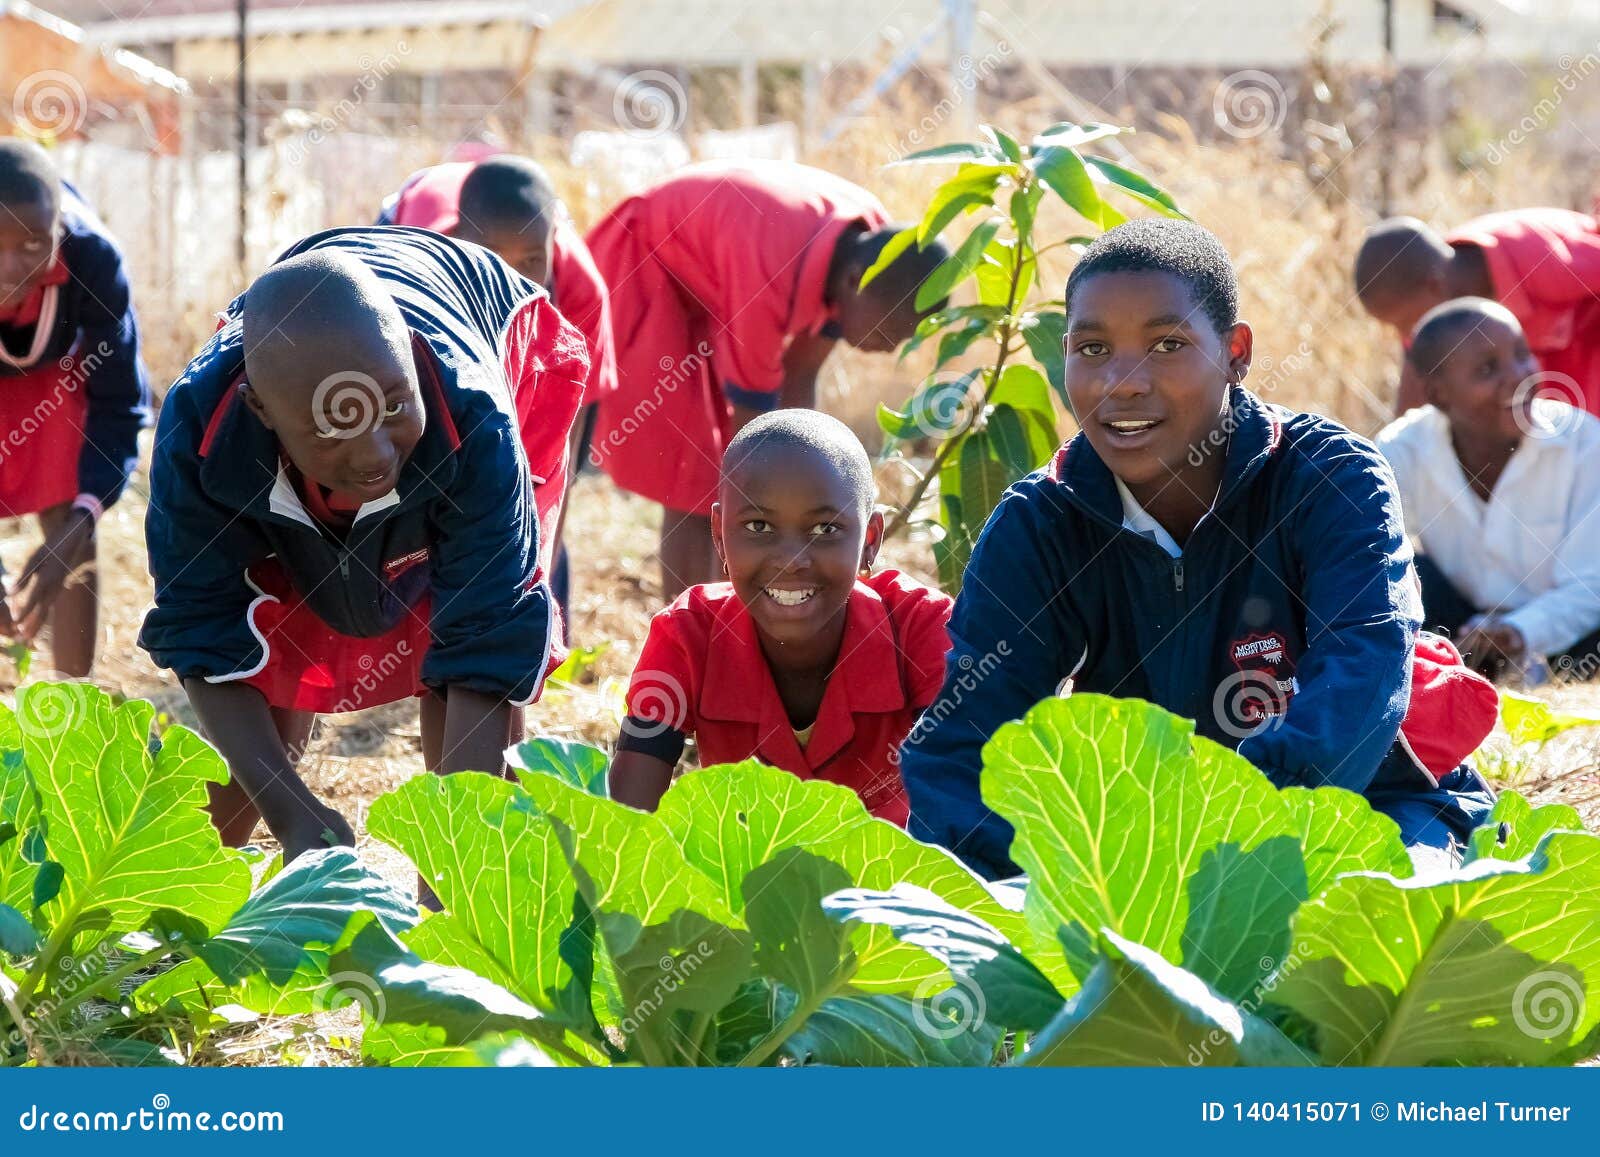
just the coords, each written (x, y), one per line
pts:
(921, 616)
(663, 688)
(583, 299)
(1549, 256)
(546, 364)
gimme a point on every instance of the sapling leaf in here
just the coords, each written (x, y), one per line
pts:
(1043, 332)
(888, 255)
(1003, 141)
(1137, 186)
(1530, 720)
(972, 186)
(1066, 134)
(958, 266)
(1063, 170)
(962, 151)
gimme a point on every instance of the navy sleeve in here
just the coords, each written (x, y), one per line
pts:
(1013, 640)
(491, 620)
(198, 550)
(114, 382)
(1362, 616)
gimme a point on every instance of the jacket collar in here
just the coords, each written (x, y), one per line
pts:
(1251, 430)
(865, 679)
(242, 468)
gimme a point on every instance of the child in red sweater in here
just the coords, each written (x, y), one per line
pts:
(803, 658)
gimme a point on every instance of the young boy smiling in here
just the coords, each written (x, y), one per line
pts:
(803, 659)
(1234, 562)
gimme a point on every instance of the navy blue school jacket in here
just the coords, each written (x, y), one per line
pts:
(95, 324)
(1298, 581)
(460, 524)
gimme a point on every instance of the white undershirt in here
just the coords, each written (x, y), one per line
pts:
(1137, 519)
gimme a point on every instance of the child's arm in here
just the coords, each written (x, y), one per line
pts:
(236, 720)
(802, 362)
(1014, 637)
(114, 380)
(1361, 618)
(477, 727)
(639, 779)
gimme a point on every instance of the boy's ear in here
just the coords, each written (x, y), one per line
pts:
(1431, 393)
(1241, 348)
(253, 400)
(716, 535)
(874, 540)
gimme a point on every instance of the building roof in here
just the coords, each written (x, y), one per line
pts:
(118, 60)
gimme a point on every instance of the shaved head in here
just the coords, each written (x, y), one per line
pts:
(507, 191)
(316, 314)
(1439, 332)
(329, 369)
(807, 433)
(1398, 255)
(28, 176)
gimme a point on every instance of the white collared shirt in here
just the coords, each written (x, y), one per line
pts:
(1139, 520)
(1532, 551)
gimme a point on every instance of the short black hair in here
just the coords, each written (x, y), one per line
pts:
(27, 174)
(814, 432)
(507, 191)
(1188, 251)
(1439, 332)
(902, 277)
(1396, 255)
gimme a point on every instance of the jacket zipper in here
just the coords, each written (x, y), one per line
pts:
(1177, 574)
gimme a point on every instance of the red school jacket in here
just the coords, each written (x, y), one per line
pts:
(431, 199)
(702, 672)
(748, 245)
(1545, 266)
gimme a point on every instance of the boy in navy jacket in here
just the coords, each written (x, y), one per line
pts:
(1234, 562)
(345, 510)
(73, 394)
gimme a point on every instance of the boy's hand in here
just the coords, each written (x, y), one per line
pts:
(324, 829)
(45, 575)
(1493, 642)
(8, 625)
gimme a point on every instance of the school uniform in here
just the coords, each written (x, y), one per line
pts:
(1530, 551)
(73, 392)
(702, 673)
(431, 199)
(711, 272)
(1284, 628)
(261, 579)
(1544, 265)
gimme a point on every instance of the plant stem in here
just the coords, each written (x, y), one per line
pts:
(698, 1027)
(112, 979)
(791, 1024)
(21, 1022)
(1007, 331)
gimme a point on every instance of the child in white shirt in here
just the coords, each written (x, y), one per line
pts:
(1501, 495)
